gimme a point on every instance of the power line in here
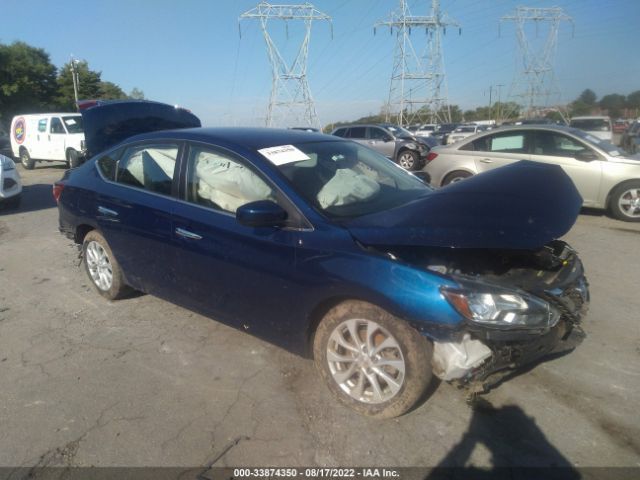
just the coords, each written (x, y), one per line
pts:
(414, 69)
(534, 83)
(290, 99)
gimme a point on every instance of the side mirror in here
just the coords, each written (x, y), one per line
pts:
(586, 156)
(388, 139)
(263, 213)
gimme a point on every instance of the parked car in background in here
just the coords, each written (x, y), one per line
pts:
(47, 137)
(324, 247)
(463, 131)
(443, 131)
(606, 176)
(10, 184)
(595, 125)
(425, 130)
(392, 141)
(630, 140)
(620, 126)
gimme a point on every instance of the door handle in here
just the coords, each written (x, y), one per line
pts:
(107, 211)
(486, 160)
(181, 232)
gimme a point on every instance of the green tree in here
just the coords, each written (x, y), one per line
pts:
(27, 80)
(633, 102)
(588, 97)
(136, 94)
(613, 103)
(89, 85)
(111, 91)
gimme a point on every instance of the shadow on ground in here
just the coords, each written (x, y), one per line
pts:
(513, 440)
(34, 197)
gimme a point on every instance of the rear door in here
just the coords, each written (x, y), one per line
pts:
(133, 211)
(237, 273)
(498, 149)
(357, 134)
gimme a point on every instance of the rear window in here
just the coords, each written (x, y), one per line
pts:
(592, 124)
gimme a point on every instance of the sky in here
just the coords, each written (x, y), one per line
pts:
(191, 53)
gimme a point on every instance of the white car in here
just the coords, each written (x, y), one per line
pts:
(597, 126)
(463, 131)
(606, 176)
(425, 130)
(47, 137)
(10, 184)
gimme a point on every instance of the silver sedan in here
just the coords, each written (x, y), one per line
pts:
(605, 175)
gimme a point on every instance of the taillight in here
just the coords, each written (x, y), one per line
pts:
(431, 156)
(57, 190)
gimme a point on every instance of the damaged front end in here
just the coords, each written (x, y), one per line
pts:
(520, 308)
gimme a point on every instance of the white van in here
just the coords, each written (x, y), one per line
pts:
(47, 137)
(599, 127)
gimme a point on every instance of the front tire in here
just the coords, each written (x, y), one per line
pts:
(102, 268)
(625, 202)
(372, 361)
(26, 160)
(408, 160)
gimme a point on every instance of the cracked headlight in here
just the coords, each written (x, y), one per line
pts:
(6, 163)
(502, 308)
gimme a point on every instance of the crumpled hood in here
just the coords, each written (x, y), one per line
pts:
(107, 123)
(520, 206)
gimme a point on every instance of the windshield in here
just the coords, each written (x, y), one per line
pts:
(398, 131)
(605, 145)
(592, 124)
(73, 123)
(345, 180)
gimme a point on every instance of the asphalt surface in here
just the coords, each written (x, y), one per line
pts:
(142, 382)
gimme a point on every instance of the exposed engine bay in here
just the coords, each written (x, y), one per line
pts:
(480, 356)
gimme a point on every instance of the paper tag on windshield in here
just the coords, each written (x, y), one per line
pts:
(283, 154)
(70, 121)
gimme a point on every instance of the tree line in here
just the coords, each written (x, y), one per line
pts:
(30, 83)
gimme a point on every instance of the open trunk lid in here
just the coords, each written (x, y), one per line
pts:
(520, 206)
(107, 123)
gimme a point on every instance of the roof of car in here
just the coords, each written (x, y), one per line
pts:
(249, 137)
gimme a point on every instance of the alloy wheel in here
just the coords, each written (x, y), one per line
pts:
(629, 202)
(99, 266)
(366, 361)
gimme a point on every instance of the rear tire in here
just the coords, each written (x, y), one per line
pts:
(371, 361)
(408, 160)
(26, 160)
(102, 268)
(456, 176)
(624, 203)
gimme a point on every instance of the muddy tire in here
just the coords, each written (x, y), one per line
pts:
(372, 361)
(456, 176)
(624, 202)
(102, 268)
(26, 160)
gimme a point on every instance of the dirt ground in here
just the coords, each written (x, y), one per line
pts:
(142, 382)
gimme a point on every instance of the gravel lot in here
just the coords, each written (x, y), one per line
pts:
(142, 382)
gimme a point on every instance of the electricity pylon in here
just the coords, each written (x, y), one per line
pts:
(290, 102)
(418, 77)
(534, 83)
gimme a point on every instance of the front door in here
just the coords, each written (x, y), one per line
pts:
(236, 273)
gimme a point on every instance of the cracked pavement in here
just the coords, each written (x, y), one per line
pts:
(141, 382)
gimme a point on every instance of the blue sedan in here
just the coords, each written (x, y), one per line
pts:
(326, 248)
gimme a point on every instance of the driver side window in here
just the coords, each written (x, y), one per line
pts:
(557, 145)
(222, 182)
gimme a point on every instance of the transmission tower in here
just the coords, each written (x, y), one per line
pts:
(418, 79)
(290, 101)
(534, 84)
